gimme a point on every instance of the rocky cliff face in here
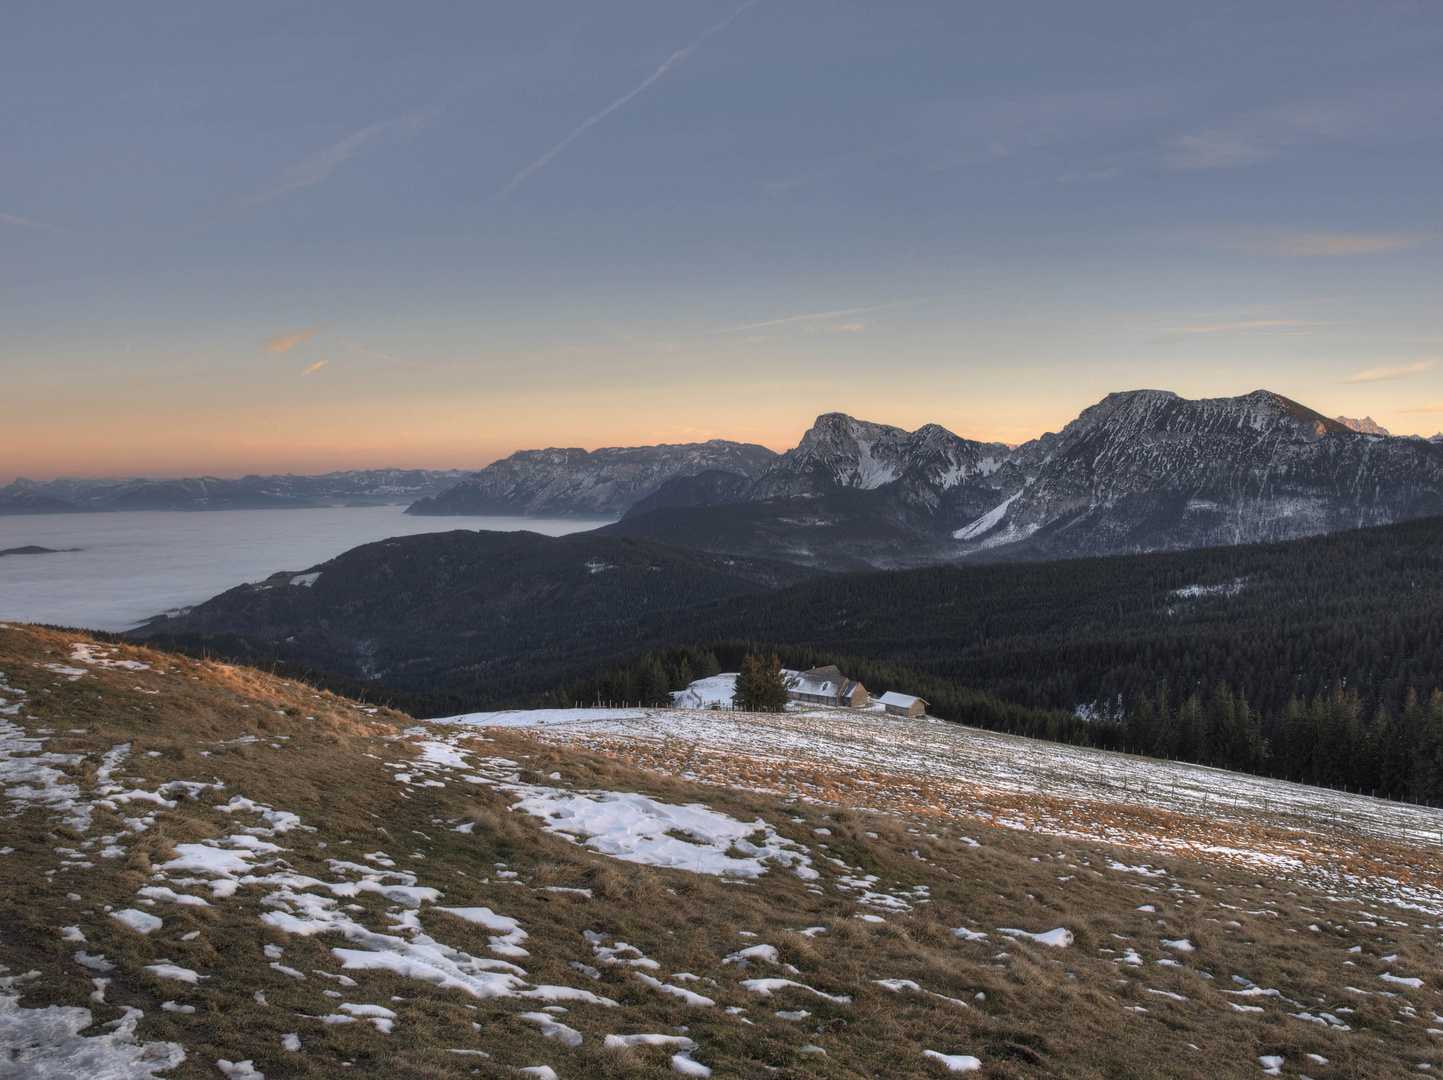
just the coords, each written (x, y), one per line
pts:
(1367, 425)
(1147, 470)
(576, 483)
(842, 452)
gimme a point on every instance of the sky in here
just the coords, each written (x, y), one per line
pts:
(278, 237)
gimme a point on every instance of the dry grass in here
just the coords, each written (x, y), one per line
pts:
(1033, 1012)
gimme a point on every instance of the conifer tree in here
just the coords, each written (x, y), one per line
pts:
(1246, 749)
(1189, 729)
(1219, 727)
(1141, 725)
(1165, 739)
(759, 684)
(649, 682)
(1427, 785)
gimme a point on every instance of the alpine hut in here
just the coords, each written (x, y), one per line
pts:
(827, 686)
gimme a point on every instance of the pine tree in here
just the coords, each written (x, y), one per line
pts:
(1166, 738)
(682, 677)
(1427, 785)
(1141, 725)
(1219, 721)
(1245, 751)
(1189, 729)
(649, 682)
(759, 685)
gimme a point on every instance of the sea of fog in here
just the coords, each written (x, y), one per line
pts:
(132, 565)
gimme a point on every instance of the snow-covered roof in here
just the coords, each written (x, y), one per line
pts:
(806, 683)
(901, 701)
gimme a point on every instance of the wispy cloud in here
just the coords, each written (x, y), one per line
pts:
(13, 222)
(840, 313)
(576, 132)
(284, 342)
(1380, 374)
(314, 368)
(1291, 242)
(1258, 137)
(1218, 328)
(317, 167)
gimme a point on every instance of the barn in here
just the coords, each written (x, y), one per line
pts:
(827, 686)
(903, 704)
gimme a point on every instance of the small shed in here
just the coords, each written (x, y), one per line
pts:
(903, 704)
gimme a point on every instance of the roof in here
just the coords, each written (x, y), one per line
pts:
(827, 685)
(901, 701)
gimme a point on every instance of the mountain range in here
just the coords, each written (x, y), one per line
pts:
(1144, 470)
(367, 487)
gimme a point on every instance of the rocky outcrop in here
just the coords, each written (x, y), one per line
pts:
(1367, 425)
(841, 452)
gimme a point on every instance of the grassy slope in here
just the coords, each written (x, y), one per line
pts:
(1045, 1012)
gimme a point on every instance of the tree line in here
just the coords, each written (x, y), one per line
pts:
(1329, 739)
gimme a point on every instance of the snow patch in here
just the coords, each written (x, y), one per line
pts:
(637, 829)
(955, 1062)
(1058, 939)
(47, 1043)
(987, 521)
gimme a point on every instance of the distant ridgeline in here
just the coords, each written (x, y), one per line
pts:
(367, 487)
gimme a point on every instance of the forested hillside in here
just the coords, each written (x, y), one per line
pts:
(1271, 621)
(465, 611)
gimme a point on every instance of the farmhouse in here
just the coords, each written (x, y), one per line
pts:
(903, 704)
(827, 686)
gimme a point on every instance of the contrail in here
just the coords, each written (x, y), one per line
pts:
(680, 54)
(849, 311)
